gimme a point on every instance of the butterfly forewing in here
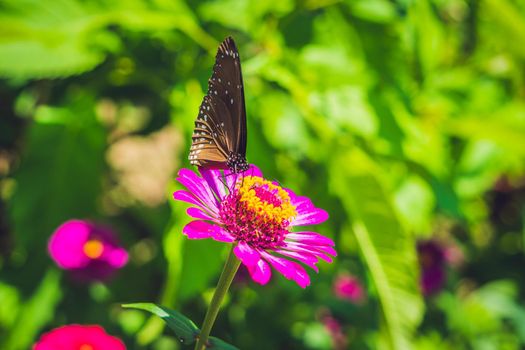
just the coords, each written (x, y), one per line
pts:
(226, 82)
(220, 128)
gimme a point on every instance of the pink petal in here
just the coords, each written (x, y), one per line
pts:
(118, 257)
(309, 237)
(221, 235)
(310, 216)
(283, 266)
(307, 213)
(246, 254)
(198, 214)
(202, 229)
(299, 202)
(305, 258)
(231, 178)
(260, 272)
(306, 251)
(187, 197)
(311, 247)
(198, 187)
(253, 170)
(289, 269)
(301, 277)
(72, 336)
(214, 179)
(66, 245)
(198, 230)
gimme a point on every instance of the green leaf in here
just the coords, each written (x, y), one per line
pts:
(35, 313)
(67, 158)
(248, 15)
(72, 37)
(61, 34)
(217, 344)
(9, 306)
(387, 249)
(184, 328)
(379, 11)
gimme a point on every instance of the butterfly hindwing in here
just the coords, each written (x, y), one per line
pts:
(208, 146)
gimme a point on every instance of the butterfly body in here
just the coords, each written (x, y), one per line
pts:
(220, 135)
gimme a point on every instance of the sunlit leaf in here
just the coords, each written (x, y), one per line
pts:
(58, 177)
(65, 43)
(374, 10)
(415, 203)
(247, 14)
(10, 304)
(386, 248)
(70, 37)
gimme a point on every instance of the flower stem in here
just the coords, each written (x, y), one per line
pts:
(227, 275)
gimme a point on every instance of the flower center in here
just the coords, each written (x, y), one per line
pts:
(93, 250)
(86, 347)
(257, 212)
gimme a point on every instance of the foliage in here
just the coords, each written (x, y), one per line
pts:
(403, 119)
(185, 330)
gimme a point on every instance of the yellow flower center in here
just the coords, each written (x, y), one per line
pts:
(86, 347)
(266, 199)
(257, 212)
(93, 249)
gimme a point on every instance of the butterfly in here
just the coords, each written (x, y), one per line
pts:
(219, 137)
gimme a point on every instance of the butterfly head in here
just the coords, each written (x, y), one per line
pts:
(237, 163)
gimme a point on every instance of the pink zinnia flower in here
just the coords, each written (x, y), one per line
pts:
(334, 328)
(89, 250)
(348, 287)
(78, 337)
(256, 215)
(433, 268)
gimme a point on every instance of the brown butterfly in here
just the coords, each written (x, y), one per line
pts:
(219, 137)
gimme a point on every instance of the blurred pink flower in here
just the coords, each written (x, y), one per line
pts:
(432, 264)
(454, 255)
(78, 337)
(89, 250)
(348, 287)
(256, 215)
(333, 326)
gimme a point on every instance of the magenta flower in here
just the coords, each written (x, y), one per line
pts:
(89, 250)
(334, 328)
(257, 216)
(348, 287)
(433, 268)
(78, 337)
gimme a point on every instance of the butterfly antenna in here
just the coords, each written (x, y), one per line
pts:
(226, 183)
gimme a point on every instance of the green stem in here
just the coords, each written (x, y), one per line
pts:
(227, 275)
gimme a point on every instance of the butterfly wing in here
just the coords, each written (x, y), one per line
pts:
(210, 140)
(220, 129)
(227, 84)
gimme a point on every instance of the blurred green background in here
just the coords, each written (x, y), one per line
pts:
(404, 119)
